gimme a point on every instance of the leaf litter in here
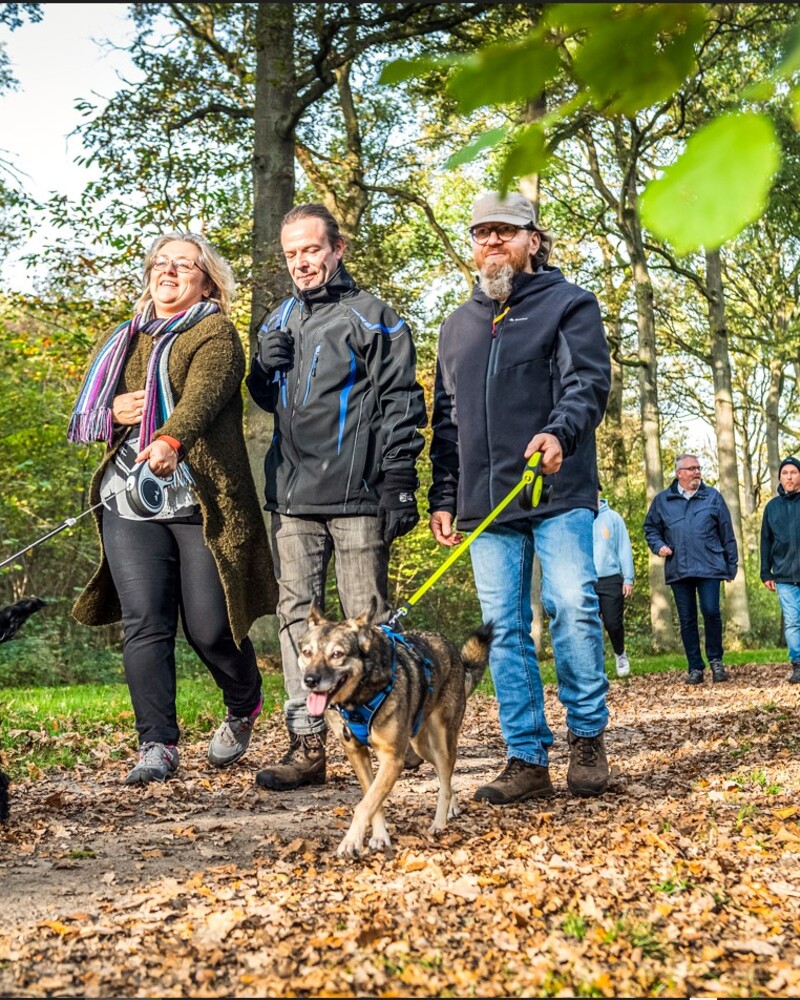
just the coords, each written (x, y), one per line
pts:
(683, 879)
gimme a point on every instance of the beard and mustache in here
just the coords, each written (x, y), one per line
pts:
(496, 280)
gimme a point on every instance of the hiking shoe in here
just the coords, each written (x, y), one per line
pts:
(412, 760)
(232, 738)
(718, 671)
(794, 677)
(623, 664)
(694, 677)
(518, 781)
(302, 764)
(587, 773)
(157, 761)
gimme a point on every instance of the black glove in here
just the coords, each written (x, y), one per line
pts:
(276, 350)
(397, 507)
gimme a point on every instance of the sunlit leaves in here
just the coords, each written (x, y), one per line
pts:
(529, 155)
(718, 185)
(406, 69)
(504, 74)
(474, 149)
(633, 55)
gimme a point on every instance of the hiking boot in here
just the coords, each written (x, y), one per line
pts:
(623, 664)
(517, 782)
(232, 738)
(412, 760)
(157, 761)
(694, 677)
(718, 671)
(302, 764)
(794, 677)
(587, 773)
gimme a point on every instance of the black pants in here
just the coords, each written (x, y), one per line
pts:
(161, 569)
(612, 609)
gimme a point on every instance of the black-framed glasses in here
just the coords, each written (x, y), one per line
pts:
(183, 265)
(504, 231)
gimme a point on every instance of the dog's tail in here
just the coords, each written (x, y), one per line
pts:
(475, 654)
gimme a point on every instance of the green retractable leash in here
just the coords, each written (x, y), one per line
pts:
(530, 487)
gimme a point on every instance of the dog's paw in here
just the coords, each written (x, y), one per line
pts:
(435, 829)
(381, 843)
(350, 847)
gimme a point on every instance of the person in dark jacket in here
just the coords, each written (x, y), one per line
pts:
(523, 367)
(689, 526)
(336, 368)
(780, 555)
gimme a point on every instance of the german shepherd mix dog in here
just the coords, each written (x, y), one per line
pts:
(385, 690)
(12, 618)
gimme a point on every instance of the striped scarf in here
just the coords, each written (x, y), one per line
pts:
(92, 418)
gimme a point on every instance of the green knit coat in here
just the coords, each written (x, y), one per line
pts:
(206, 368)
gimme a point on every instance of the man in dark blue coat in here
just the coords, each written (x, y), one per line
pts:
(689, 526)
(780, 555)
(523, 367)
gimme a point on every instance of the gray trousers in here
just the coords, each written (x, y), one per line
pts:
(302, 549)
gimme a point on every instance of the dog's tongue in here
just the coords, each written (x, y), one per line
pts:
(316, 703)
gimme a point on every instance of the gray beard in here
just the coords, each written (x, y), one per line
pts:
(498, 285)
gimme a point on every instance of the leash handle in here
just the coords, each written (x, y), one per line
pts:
(532, 475)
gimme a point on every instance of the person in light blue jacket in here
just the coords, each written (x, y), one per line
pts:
(613, 564)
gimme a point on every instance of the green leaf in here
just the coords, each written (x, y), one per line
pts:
(640, 55)
(468, 153)
(528, 155)
(717, 186)
(504, 74)
(407, 69)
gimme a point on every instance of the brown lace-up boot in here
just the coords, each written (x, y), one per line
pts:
(302, 764)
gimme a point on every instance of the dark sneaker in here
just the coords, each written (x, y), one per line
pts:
(694, 677)
(718, 671)
(519, 781)
(156, 762)
(412, 760)
(587, 773)
(302, 764)
(232, 738)
(794, 677)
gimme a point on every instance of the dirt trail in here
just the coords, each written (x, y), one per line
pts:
(684, 878)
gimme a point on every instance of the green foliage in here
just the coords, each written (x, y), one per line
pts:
(718, 186)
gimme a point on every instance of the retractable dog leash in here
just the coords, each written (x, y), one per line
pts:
(532, 483)
(145, 491)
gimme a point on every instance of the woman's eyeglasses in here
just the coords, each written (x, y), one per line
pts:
(504, 232)
(182, 264)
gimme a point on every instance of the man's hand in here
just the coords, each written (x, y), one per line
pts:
(769, 584)
(552, 452)
(276, 350)
(397, 507)
(664, 551)
(627, 590)
(441, 525)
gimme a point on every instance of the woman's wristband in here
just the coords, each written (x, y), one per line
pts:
(173, 443)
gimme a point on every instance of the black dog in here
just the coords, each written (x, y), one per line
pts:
(12, 618)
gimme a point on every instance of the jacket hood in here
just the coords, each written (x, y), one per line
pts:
(524, 283)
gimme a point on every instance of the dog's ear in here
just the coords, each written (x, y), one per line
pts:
(315, 616)
(369, 616)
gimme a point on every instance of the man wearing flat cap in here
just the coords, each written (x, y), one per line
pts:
(780, 555)
(523, 367)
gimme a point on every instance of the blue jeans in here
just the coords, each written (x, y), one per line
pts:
(302, 549)
(502, 564)
(789, 596)
(687, 592)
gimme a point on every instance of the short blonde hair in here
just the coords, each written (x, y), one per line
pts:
(218, 270)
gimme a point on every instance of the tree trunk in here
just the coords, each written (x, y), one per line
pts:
(736, 591)
(660, 604)
(772, 417)
(273, 195)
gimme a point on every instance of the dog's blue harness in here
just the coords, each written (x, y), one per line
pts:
(358, 720)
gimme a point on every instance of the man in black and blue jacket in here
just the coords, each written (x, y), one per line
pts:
(780, 555)
(523, 367)
(690, 527)
(336, 368)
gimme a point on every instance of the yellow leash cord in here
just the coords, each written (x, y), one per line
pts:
(531, 475)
